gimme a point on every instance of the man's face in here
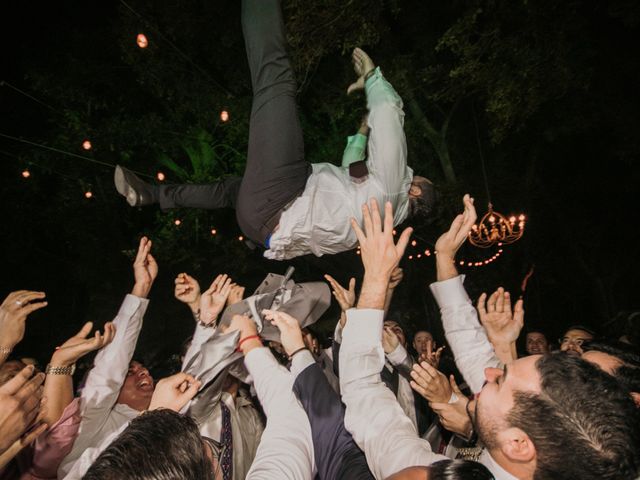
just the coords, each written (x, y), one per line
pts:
(536, 343)
(496, 398)
(138, 387)
(397, 329)
(572, 341)
(417, 184)
(421, 340)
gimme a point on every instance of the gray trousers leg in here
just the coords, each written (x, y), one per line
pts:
(276, 171)
(220, 194)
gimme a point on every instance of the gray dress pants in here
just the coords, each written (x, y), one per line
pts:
(276, 171)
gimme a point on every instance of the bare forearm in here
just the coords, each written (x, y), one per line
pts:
(58, 390)
(445, 266)
(141, 289)
(387, 301)
(374, 292)
(506, 352)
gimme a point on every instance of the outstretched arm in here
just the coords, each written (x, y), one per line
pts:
(468, 340)
(373, 416)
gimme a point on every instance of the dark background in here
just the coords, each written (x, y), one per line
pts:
(544, 91)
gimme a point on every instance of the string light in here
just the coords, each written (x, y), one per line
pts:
(26, 173)
(142, 41)
(160, 176)
(177, 222)
(213, 231)
(86, 145)
(88, 194)
(241, 238)
(224, 116)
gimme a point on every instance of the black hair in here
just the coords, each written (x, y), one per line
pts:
(157, 445)
(459, 470)
(583, 424)
(627, 374)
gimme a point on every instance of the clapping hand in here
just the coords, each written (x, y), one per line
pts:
(214, 299)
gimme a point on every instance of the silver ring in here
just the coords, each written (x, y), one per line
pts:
(19, 303)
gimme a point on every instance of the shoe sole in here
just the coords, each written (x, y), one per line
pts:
(123, 187)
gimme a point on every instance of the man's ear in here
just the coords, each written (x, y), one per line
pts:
(636, 398)
(516, 445)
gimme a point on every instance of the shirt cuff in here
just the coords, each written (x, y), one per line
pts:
(131, 304)
(374, 76)
(258, 360)
(300, 362)
(450, 292)
(364, 327)
(398, 356)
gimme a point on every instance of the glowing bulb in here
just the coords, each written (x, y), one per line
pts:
(26, 173)
(394, 231)
(512, 219)
(86, 145)
(224, 116)
(419, 255)
(469, 264)
(358, 252)
(413, 243)
(178, 222)
(427, 253)
(88, 194)
(500, 251)
(213, 231)
(410, 257)
(241, 238)
(521, 217)
(461, 262)
(160, 176)
(474, 227)
(492, 219)
(142, 41)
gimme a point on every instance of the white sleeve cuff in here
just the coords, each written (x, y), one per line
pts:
(450, 292)
(364, 327)
(398, 356)
(300, 362)
(337, 334)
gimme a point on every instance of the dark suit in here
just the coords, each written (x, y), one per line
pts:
(336, 454)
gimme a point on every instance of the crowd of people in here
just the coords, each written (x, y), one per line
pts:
(372, 405)
(259, 396)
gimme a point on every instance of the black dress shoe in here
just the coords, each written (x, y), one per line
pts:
(136, 191)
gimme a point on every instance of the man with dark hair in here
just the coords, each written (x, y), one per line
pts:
(157, 445)
(572, 340)
(598, 419)
(283, 202)
(536, 342)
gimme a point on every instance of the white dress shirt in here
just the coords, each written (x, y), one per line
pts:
(102, 417)
(373, 416)
(318, 221)
(405, 392)
(286, 449)
(471, 348)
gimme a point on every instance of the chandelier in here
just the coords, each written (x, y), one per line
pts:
(494, 228)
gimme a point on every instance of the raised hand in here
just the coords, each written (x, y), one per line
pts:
(431, 356)
(290, 333)
(145, 269)
(174, 392)
(362, 64)
(396, 277)
(20, 400)
(13, 315)
(187, 290)
(451, 241)
(453, 416)
(390, 340)
(213, 301)
(430, 383)
(346, 297)
(79, 345)
(236, 294)
(501, 323)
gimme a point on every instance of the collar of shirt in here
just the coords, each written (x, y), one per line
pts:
(498, 472)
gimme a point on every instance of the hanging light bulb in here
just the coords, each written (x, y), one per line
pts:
(26, 173)
(142, 41)
(224, 116)
(177, 222)
(241, 238)
(494, 228)
(413, 243)
(86, 145)
(88, 194)
(213, 231)
(160, 176)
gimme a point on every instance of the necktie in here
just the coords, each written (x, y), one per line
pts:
(226, 440)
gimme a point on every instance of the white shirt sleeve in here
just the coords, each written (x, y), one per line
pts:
(373, 416)
(106, 378)
(468, 340)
